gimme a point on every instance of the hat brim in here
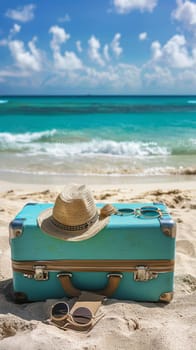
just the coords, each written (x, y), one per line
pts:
(47, 225)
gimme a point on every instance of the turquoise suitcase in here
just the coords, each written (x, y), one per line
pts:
(136, 251)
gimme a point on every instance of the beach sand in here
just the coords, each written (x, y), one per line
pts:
(125, 325)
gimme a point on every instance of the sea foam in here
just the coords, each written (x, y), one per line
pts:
(39, 143)
(9, 138)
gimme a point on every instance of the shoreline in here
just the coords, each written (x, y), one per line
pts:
(95, 179)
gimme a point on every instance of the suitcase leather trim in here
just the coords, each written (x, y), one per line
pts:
(143, 269)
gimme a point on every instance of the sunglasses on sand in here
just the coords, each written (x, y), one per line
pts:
(80, 318)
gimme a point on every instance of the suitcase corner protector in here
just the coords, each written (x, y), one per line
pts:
(168, 227)
(16, 228)
(166, 297)
(20, 297)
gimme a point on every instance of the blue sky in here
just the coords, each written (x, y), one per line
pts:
(98, 47)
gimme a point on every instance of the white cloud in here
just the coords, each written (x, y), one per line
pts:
(174, 53)
(66, 18)
(158, 76)
(79, 45)
(126, 6)
(156, 50)
(129, 76)
(10, 73)
(22, 14)
(106, 52)
(59, 37)
(188, 78)
(143, 36)
(116, 78)
(68, 61)
(186, 13)
(16, 29)
(26, 59)
(94, 54)
(172, 67)
(166, 80)
(94, 77)
(120, 77)
(115, 45)
(95, 46)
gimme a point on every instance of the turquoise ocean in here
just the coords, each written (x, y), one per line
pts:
(88, 135)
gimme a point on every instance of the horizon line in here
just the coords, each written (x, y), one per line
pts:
(96, 95)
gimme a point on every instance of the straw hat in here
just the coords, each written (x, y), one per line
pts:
(74, 216)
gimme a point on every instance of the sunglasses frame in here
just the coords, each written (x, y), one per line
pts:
(69, 317)
(59, 319)
(125, 212)
(140, 212)
(143, 210)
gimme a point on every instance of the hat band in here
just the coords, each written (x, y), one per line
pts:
(77, 227)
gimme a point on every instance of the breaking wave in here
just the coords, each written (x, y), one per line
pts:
(59, 144)
(11, 140)
(45, 143)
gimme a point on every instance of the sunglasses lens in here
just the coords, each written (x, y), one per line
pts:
(149, 212)
(60, 310)
(125, 211)
(82, 315)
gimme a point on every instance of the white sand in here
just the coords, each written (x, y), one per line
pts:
(125, 325)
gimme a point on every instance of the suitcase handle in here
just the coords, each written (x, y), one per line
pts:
(72, 291)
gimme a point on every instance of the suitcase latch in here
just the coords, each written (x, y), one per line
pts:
(143, 274)
(40, 273)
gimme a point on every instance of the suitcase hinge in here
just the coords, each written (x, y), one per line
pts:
(143, 274)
